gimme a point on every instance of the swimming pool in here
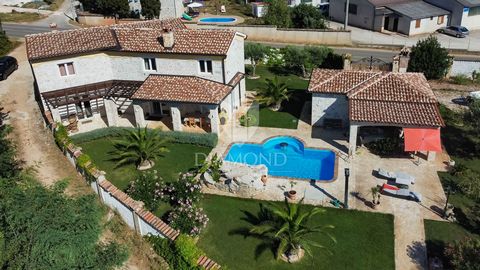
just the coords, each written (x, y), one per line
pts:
(286, 156)
(217, 20)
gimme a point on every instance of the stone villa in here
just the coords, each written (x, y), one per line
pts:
(155, 73)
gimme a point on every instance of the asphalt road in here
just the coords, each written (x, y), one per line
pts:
(20, 30)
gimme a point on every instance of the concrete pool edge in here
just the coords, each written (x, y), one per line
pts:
(335, 168)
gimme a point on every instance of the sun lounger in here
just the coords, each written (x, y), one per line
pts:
(399, 177)
(401, 192)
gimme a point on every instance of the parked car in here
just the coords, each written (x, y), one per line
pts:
(456, 31)
(8, 65)
(472, 96)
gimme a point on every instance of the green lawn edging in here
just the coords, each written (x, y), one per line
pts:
(201, 139)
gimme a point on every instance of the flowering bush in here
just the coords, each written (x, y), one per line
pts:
(184, 195)
(148, 188)
(188, 218)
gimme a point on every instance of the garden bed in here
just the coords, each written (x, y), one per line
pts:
(364, 240)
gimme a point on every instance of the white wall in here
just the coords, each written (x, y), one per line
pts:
(471, 22)
(329, 106)
(427, 25)
(235, 62)
(464, 68)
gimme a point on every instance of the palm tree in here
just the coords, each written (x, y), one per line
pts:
(139, 146)
(273, 94)
(288, 228)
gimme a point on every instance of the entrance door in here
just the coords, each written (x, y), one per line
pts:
(386, 23)
(395, 25)
(84, 109)
(88, 109)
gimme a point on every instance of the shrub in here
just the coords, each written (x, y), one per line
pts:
(209, 139)
(428, 56)
(385, 147)
(461, 79)
(187, 249)
(248, 120)
(5, 44)
(84, 161)
(167, 250)
(148, 188)
(214, 166)
(61, 136)
(188, 218)
(464, 254)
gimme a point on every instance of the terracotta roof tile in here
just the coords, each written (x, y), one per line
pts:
(186, 41)
(401, 113)
(338, 81)
(133, 37)
(182, 89)
(390, 98)
(236, 79)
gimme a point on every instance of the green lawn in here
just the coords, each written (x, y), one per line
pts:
(461, 141)
(364, 240)
(293, 81)
(291, 110)
(439, 233)
(180, 158)
(20, 17)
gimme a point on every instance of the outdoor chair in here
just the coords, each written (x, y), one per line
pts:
(398, 177)
(401, 192)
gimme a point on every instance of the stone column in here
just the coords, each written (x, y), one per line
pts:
(214, 119)
(176, 118)
(112, 112)
(347, 61)
(56, 115)
(139, 115)
(352, 142)
(431, 156)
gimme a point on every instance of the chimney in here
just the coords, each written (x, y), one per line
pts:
(167, 38)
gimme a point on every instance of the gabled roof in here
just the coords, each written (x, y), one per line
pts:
(187, 41)
(469, 3)
(175, 88)
(337, 81)
(132, 37)
(389, 98)
(417, 9)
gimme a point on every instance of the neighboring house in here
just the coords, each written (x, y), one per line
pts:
(463, 12)
(365, 98)
(168, 8)
(155, 73)
(409, 17)
(315, 3)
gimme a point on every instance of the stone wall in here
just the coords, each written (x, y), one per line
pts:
(273, 34)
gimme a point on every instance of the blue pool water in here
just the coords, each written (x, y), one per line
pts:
(286, 156)
(217, 20)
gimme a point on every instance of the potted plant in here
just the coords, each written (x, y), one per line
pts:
(292, 194)
(375, 191)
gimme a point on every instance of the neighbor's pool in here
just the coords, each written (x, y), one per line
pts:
(217, 20)
(286, 156)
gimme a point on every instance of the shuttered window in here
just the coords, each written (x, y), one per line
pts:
(66, 69)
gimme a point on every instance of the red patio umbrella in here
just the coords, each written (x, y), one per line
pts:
(422, 139)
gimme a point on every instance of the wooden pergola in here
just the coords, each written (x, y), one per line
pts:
(88, 92)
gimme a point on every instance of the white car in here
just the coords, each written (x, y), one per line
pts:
(473, 96)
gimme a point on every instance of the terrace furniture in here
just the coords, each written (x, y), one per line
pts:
(399, 177)
(401, 192)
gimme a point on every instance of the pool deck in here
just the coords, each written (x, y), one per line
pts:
(410, 249)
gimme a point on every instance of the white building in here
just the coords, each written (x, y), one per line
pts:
(168, 8)
(463, 12)
(155, 73)
(353, 99)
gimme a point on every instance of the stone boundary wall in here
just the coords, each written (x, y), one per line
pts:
(91, 19)
(132, 212)
(464, 67)
(266, 33)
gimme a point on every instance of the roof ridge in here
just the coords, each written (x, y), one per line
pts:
(364, 82)
(432, 97)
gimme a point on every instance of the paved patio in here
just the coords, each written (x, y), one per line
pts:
(410, 249)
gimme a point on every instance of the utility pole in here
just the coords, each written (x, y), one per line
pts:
(347, 4)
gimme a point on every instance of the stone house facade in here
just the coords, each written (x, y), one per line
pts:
(93, 73)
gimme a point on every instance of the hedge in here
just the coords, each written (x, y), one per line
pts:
(208, 139)
(167, 249)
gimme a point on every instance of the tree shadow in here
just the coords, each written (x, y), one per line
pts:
(418, 253)
(267, 244)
